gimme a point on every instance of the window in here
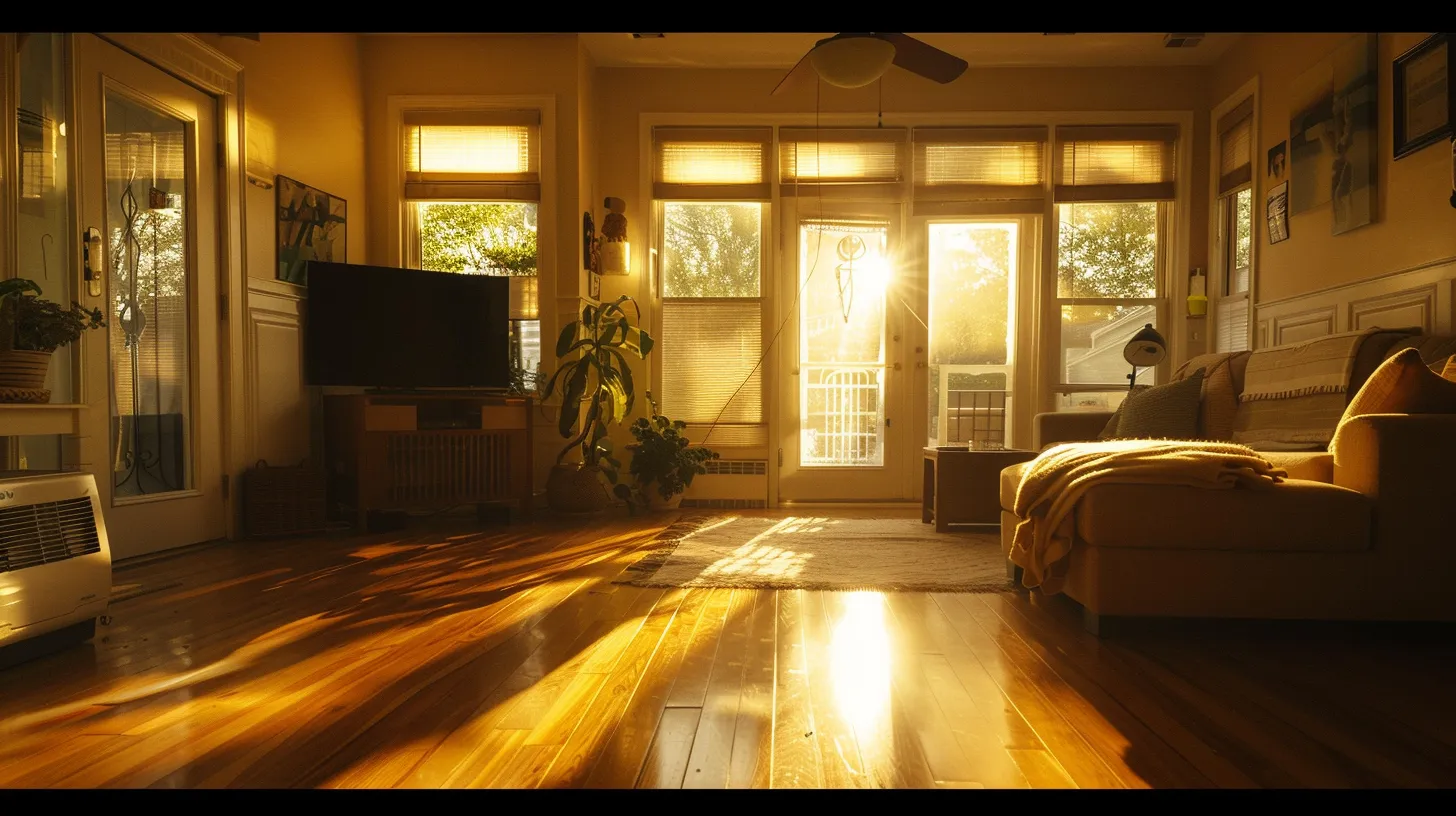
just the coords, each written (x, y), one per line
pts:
(472, 183)
(1113, 187)
(1235, 232)
(709, 185)
(975, 170)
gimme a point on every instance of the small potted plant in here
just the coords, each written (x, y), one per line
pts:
(664, 462)
(596, 390)
(30, 329)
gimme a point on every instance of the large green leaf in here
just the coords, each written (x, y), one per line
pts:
(564, 342)
(625, 374)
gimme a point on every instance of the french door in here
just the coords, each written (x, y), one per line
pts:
(152, 376)
(973, 276)
(845, 406)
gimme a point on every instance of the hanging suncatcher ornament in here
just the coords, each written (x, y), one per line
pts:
(850, 249)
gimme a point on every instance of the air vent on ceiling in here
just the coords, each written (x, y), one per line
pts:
(648, 36)
(1182, 40)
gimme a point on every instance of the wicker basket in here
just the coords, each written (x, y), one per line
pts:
(280, 501)
(23, 375)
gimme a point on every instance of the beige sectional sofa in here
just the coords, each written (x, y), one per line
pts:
(1371, 536)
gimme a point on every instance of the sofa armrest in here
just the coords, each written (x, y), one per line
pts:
(1404, 463)
(1057, 427)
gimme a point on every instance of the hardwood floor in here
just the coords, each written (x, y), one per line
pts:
(507, 657)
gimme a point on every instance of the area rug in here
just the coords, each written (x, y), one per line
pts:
(818, 552)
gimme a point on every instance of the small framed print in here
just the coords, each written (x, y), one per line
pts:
(594, 285)
(1423, 93)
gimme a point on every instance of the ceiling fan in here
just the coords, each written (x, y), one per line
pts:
(855, 60)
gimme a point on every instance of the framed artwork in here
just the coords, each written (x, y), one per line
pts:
(588, 239)
(1277, 161)
(1423, 93)
(594, 285)
(1332, 124)
(1277, 213)
(312, 226)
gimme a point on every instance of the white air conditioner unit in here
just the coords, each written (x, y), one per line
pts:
(55, 562)
(730, 484)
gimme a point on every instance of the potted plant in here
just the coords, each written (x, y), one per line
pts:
(596, 391)
(664, 462)
(30, 329)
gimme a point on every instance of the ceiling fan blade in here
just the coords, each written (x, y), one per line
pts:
(796, 76)
(926, 60)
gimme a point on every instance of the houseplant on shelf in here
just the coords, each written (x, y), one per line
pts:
(664, 462)
(596, 390)
(30, 329)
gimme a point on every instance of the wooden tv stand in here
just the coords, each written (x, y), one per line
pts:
(426, 450)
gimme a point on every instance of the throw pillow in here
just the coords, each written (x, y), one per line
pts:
(1403, 384)
(1168, 411)
(1109, 431)
(1449, 372)
(1222, 381)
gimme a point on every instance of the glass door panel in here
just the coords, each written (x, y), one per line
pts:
(147, 220)
(844, 270)
(972, 317)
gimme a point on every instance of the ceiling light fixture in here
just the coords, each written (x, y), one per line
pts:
(852, 61)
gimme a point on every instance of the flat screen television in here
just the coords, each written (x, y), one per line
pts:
(381, 327)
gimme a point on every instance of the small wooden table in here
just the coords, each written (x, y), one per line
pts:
(963, 486)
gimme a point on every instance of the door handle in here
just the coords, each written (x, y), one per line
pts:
(92, 253)
(898, 366)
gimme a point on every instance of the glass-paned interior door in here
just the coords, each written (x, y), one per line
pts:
(846, 391)
(153, 375)
(972, 267)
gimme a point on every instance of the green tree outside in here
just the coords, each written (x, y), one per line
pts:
(479, 238)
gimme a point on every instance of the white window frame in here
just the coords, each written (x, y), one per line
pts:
(766, 303)
(402, 240)
(1221, 221)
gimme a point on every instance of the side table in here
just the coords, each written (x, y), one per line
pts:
(963, 486)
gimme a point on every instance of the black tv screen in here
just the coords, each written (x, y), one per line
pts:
(381, 327)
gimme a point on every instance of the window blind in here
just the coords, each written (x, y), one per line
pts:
(154, 156)
(1116, 163)
(843, 162)
(717, 343)
(489, 155)
(1235, 147)
(1231, 316)
(979, 169)
(712, 164)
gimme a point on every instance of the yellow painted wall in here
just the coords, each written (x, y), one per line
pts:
(1414, 222)
(308, 88)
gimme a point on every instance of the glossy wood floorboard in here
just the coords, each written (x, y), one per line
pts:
(458, 656)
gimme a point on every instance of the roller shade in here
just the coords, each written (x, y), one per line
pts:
(1116, 163)
(843, 162)
(1235, 147)
(979, 169)
(712, 164)
(716, 344)
(472, 155)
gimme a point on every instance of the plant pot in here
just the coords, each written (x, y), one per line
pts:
(23, 375)
(655, 501)
(576, 489)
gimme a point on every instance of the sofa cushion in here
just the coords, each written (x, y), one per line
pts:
(1293, 516)
(1223, 380)
(1314, 466)
(1010, 481)
(1167, 411)
(1449, 370)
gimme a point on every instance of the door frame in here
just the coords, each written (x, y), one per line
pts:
(198, 64)
(1023, 352)
(900, 372)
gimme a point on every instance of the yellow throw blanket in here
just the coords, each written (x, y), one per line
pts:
(1057, 479)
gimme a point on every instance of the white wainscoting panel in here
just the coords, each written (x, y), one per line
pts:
(279, 411)
(1423, 296)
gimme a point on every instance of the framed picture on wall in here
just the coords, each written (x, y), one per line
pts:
(1422, 79)
(312, 226)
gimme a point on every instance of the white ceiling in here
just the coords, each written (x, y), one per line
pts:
(762, 50)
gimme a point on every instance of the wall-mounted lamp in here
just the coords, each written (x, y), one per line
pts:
(616, 252)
